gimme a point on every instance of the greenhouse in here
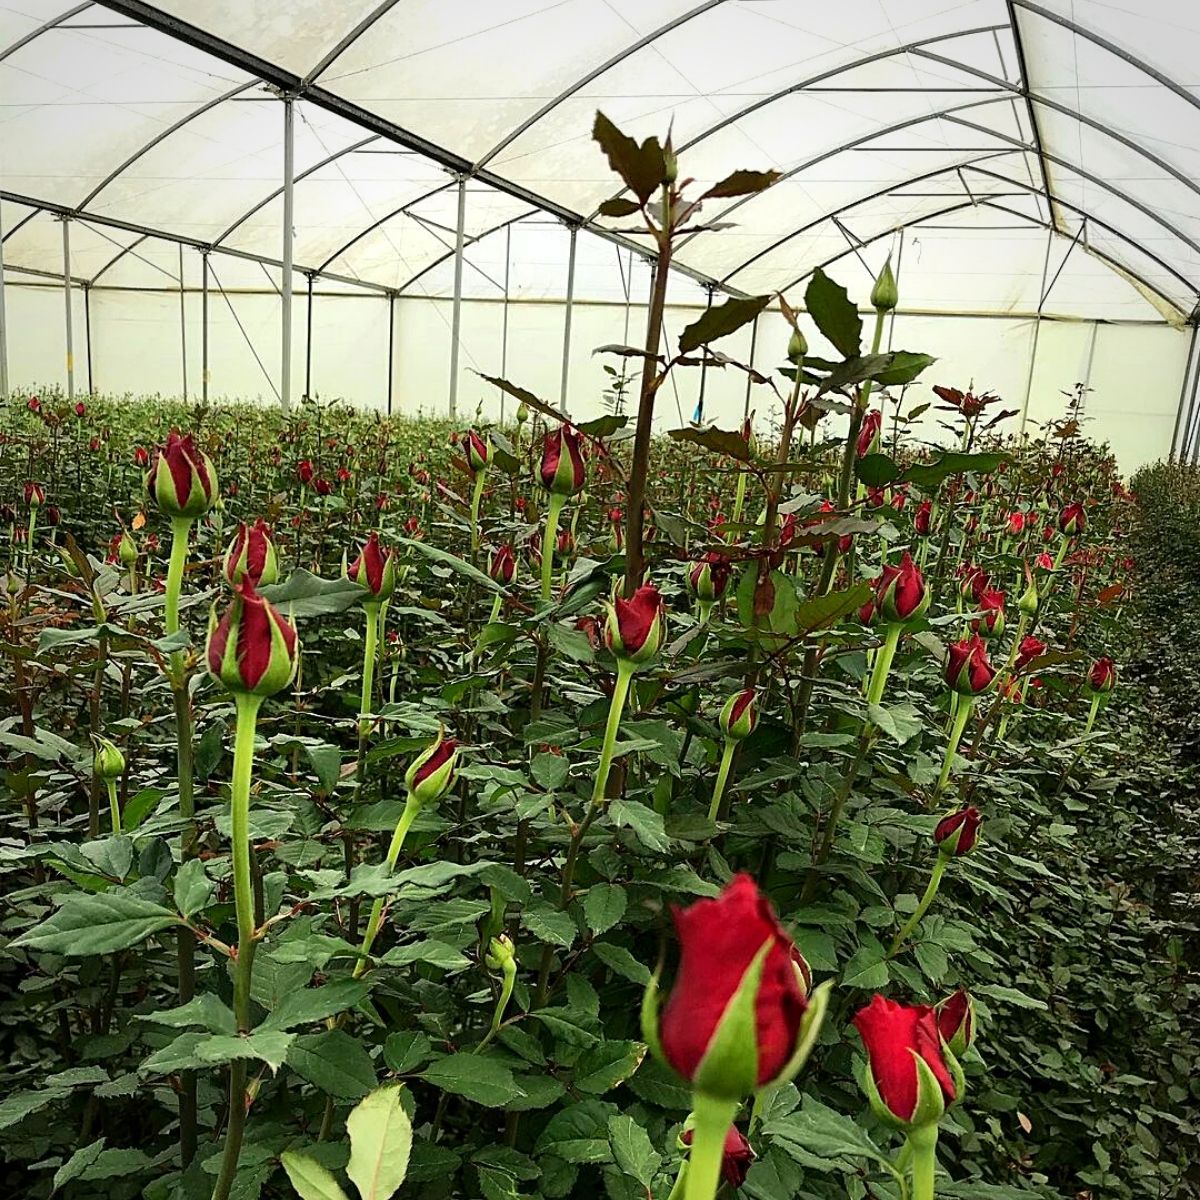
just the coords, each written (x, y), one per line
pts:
(597, 599)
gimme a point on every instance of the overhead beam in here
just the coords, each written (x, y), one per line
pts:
(1035, 131)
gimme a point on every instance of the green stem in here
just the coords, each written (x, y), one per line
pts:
(1096, 701)
(616, 707)
(181, 528)
(739, 499)
(114, 806)
(412, 806)
(370, 652)
(33, 512)
(680, 1184)
(476, 497)
(966, 705)
(243, 896)
(506, 991)
(549, 537)
(931, 890)
(722, 778)
(883, 663)
(712, 1119)
(924, 1161)
(835, 813)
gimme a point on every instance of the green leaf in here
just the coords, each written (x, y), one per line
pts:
(483, 1080)
(866, 970)
(79, 1162)
(741, 183)
(602, 427)
(904, 367)
(98, 924)
(927, 475)
(428, 950)
(193, 888)
(721, 320)
(646, 824)
(306, 1005)
(604, 906)
(333, 1061)
(834, 313)
(205, 1009)
(822, 611)
(600, 1068)
(446, 559)
(311, 1180)
(304, 594)
(622, 962)
(876, 470)
(901, 722)
(643, 167)
(619, 207)
(1007, 995)
(549, 924)
(190, 1051)
(406, 1050)
(819, 1130)
(579, 1133)
(380, 1144)
(326, 761)
(632, 1149)
(720, 441)
(550, 770)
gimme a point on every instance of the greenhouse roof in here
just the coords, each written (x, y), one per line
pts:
(991, 124)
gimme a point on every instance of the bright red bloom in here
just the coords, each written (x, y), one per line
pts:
(1016, 523)
(895, 1035)
(305, 471)
(968, 670)
(736, 1157)
(80, 409)
(957, 833)
(868, 431)
(901, 592)
(251, 555)
(562, 468)
(181, 478)
(322, 485)
(1044, 561)
(479, 451)
(253, 647)
(991, 603)
(1103, 675)
(719, 939)
(1072, 521)
(35, 494)
(956, 1021)
(710, 576)
(1029, 649)
(634, 628)
(503, 565)
(141, 457)
(374, 569)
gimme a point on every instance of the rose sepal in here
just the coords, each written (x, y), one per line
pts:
(810, 1030)
(931, 1103)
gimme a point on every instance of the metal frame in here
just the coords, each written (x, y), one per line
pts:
(289, 194)
(1188, 367)
(456, 317)
(569, 307)
(70, 316)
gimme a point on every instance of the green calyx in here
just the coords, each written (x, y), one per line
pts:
(108, 762)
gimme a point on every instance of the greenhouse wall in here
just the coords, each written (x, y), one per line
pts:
(1135, 370)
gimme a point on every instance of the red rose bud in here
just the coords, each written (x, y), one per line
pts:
(1044, 561)
(479, 451)
(1102, 677)
(737, 1018)
(253, 649)
(35, 494)
(1016, 523)
(141, 457)
(251, 555)
(736, 1157)
(1072, 521)
(503, 565)
(957, 834)
(709, 577)
(991, 624)
(908, 1079)
(739, 715)
(181, 480)
(305, 471)
(868, 431)
(33, 404)
(1029, 649)
(901, 593)
(80, 409)
(52, 515)
(433, 771)
(923, 518)
(968, 671)
(634, 628)
(869, 613)
(374, 570)
(956, 1022)
(562, 469)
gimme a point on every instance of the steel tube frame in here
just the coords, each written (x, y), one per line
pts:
(391, 359)
(504, 315)
(204, 372)
(87, 335)
(3, 322)
(570, 302)
(456, 317)
(289, 196)
(1188, 367)
(1037, 329)
(70, 324)
(308, 338)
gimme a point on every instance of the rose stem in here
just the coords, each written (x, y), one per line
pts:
(883, 663)
(966, 705)
(722, 778)
(931, 890)
(924, 1161)
(412, 807)
(549, 536)
(239, 801)
(713, 1117)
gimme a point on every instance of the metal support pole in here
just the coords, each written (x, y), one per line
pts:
(391, 350)
(1087, 368)
(899, 264)
(204, 326)
(182, 323)
(504, 316)
(289, 188)
(308, 340)
(456, 318)
(698, 415)
(3, 322)
(750, 363)
(87, 334)
(566, 348)
(1192, 407)
(1189, 367)
(66, 224)
(1037, 327)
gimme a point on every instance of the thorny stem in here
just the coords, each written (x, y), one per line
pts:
(931, 890)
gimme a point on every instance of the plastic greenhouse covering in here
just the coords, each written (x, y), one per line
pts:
(1032, 167)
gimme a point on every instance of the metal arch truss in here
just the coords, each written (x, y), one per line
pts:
(307, 85)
